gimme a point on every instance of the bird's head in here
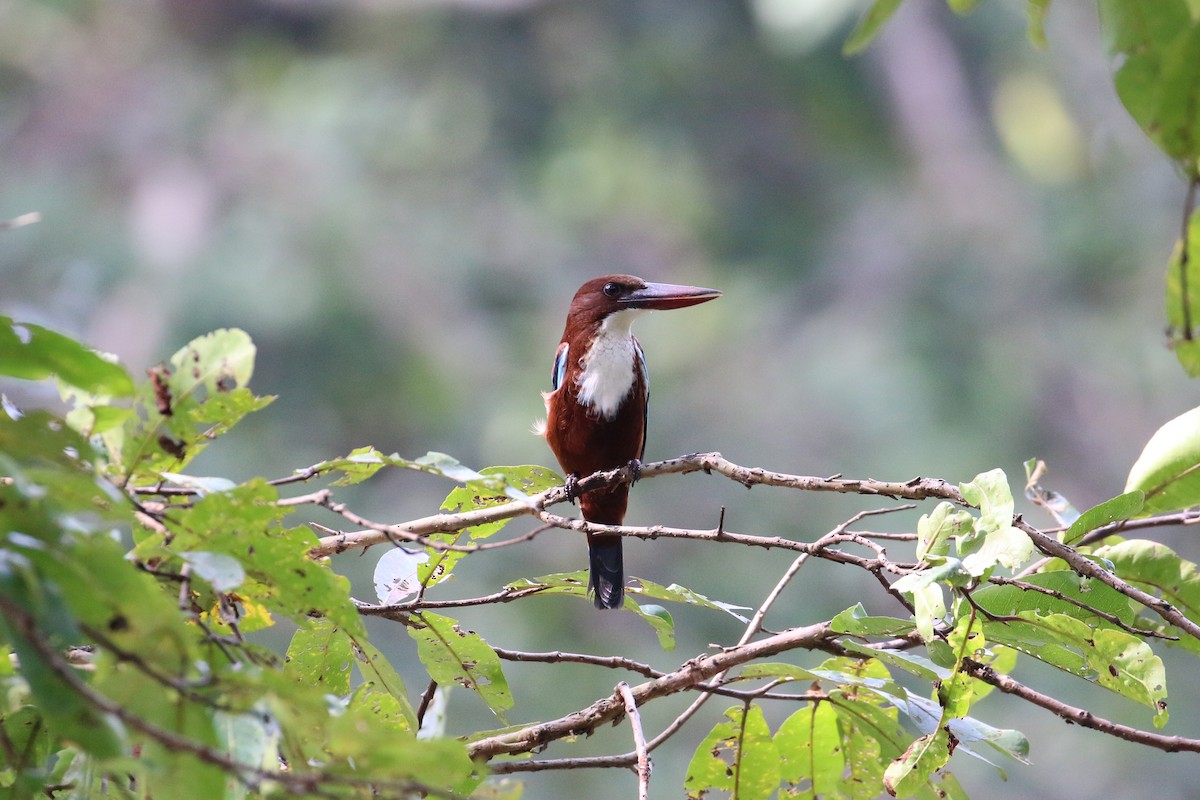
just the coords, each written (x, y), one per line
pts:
(602, 297)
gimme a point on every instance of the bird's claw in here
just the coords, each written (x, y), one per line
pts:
(572, 487)
(635, 470)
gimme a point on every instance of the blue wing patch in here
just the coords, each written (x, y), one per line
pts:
(641, 365)
(560, 365)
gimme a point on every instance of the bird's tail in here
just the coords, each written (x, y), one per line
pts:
(606, 578)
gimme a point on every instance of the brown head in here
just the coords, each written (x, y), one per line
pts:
(600, 297)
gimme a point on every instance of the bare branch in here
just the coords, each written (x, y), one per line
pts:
(639, 740)
(1079, 716)
(417, 530)
(817, 636)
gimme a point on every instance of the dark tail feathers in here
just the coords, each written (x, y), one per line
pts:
(607, 574)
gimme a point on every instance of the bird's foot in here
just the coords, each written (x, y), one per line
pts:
(635, 470)
(572, 487)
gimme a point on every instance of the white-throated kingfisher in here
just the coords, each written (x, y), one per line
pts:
(596, 410)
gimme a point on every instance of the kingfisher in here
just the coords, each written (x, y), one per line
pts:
(596, 409)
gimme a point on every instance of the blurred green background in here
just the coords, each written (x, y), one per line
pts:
(939, 257)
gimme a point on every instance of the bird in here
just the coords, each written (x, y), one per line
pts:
(596, 410)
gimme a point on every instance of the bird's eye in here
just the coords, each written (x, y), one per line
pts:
(612, 289)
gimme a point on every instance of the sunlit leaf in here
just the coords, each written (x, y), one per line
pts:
(936, 529)
(35, 353)
(320, 655)
(1061, 586)
(224, 573)
(191, 401)
(681, 594)
(737, 756)
(1158, 79)
(377, 671)
(855, 620)
(396, 574)
(869, 26)
(1110, 657)
(1036, 11)
(996, 541)
(812, 757)
(918, 763)
(1158, 569)
(1121, 507)
(1168, 470)
(453, 655)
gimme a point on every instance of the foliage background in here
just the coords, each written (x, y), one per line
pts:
(941, 256)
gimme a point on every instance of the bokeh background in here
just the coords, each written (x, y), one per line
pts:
(939, 257)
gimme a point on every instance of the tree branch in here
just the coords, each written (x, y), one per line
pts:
(639, 740)
(1088, 568)
(418, 530)
(586, 720)
(1079, 716)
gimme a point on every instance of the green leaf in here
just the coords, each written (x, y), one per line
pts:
(1159, 77)
(855, 621)
(1121, 507)
(186, 405)
(490, 487)
(927, 716)
(35, 353)
(1009, 600)
(929, 609)
(1036, 11)
(378, 673)
(390, 710)
(1001, 543)
(871, 737)
(1168, 470)
(681, 594)
(218, 361)
(916, 766)
(70, 715)
(453, 655)
(869, 26)
(1158, 569)
(812, 757)
(934, 530)
(738, 756)
(909, 662)
(244, 523)
(657, 618)
(962, 6)
(320, 655)
(249, 740)
(1110, 657)
(575, 585)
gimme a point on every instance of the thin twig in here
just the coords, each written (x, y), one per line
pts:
(606, 709)
(1025, 586)
(1088, 568)
(1078, 716)
(639, 740)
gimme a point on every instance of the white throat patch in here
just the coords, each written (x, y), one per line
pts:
(610, 363)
